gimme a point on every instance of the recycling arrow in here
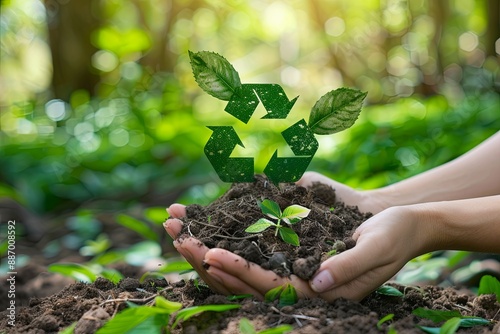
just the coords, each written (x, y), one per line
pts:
(218, 150)
(335, 111)
(244, 102)
(303, 144)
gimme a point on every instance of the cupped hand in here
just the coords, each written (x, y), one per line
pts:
(384, 244)
(366, 200)
(226, 272)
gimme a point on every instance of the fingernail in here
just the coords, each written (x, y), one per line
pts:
(322, 281)
(212, 263)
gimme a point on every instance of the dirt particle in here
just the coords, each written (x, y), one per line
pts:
(306, 267)
(129, 284)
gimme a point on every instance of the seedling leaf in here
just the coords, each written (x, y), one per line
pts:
(335, 111)
(273, 294)
(138, 226)
(167, 305)
(270, 208)
(436, 315)
(141, 319)
(259, 226)
(277, 330)
(489, 285)
(288, 235)
(384, 319)
(189, 312)
(175, 266)
(214, 74)
(388, 290)
(246, 326)
(288, 296)
(295, 211)
(450, 326)
(76, 271)
(473, 321)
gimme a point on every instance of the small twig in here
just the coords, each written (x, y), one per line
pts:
(134, 300)
(207, 225)
(295, 316)
(462, 307)
(496, 314)
(258, 248)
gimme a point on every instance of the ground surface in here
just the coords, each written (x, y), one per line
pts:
(51, 303)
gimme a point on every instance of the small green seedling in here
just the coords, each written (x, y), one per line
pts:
(291, 215)
(286, 294)
(155, 319)
(489, 285)
(388, 290)
(383, 320)
(453, 320)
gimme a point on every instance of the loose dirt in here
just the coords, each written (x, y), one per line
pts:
(222, 224)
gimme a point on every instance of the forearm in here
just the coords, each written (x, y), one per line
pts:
(474, 174)
(470, 224)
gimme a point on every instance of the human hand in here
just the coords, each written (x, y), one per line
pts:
(384, 244)
(366, 201)
(226, 272)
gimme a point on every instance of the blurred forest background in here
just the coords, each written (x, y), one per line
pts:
(101, 117)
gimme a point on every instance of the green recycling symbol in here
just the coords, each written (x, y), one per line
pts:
(335, 111)
(224, 139)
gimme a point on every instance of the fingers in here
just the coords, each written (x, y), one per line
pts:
(233, 284)
(348, 266)
(194, 252)
(241, 275)
(177, 210)
(173, 227)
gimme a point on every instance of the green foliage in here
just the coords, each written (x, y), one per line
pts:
(291, 215)
(85, 273)
(453, 320)
(286, 294)
(137, 225)
(214, 74)
(155, 319)
(383, 320)
(489, 285)
(388, 290)
(189, 312)
(335, 111)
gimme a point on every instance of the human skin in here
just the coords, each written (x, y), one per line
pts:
(453, 206)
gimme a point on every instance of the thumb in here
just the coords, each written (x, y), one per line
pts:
(346, 267)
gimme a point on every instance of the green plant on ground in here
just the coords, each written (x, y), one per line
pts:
(286, 294)
(156, 319)
(388, 290)
(385, 319)
(489, 285)
(291, 215)
(453, 320)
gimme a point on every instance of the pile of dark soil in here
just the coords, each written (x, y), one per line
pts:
(222, 224)
(329, 225)
(91, 305)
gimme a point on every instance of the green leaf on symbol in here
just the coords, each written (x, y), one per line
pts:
(214, 74)
(335, 111)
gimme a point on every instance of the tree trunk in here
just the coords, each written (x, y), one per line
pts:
(71, 24)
